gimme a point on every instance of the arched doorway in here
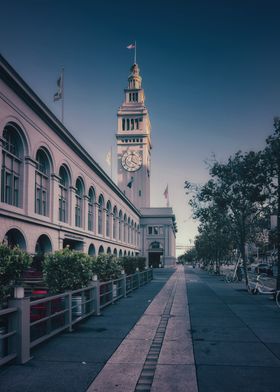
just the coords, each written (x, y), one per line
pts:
(155, 253)
(43, 245)
(14, 237)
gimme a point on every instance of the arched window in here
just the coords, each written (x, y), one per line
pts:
(115, 214)
(100, 214)
(42, 183)
(132, 232)
(138, 235)
(12, 170)
(128, 231)
(64, 183)
(100, 250)
(79, 202)
(125, 228)
(108, 213)
(120, 226)
(91, 202)
(91, 250)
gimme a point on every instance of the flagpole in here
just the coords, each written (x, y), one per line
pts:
(135, 52)
(62, 95)
(111, 162)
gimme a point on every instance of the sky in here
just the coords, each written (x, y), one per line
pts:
(210, 69)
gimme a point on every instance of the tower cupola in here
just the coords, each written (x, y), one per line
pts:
(134, 79)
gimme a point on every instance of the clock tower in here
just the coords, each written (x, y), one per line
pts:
(134, 143)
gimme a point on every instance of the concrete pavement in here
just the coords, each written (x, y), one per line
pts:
(157, 354)
(236, 336)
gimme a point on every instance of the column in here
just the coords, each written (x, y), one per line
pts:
(95, 218)
(71, 206)
(29, 186)
(85, 213)
(54, 198)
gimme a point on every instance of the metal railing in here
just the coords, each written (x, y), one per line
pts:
(8, 330)
(25, 323)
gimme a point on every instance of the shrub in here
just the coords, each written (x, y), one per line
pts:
(67, 270)
(13, 261)
(106, 267)
(130, 263)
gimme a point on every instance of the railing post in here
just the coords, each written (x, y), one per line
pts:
(96, 294)
(124, 283)
(69, 295)
(112, 292)
(22, 327)
(138, 276)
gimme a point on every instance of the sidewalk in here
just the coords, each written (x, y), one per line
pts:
(236, 336)
(70, 361)
(157, 354)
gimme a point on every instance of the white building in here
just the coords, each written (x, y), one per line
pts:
(53, 193)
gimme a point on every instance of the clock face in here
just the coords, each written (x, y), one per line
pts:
(131, 161)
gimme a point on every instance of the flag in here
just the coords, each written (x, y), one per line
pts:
(109, 158)
(131, 46)
(58, 95)
(165, 193)
(130, 182)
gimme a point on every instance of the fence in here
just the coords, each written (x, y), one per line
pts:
(25, 324)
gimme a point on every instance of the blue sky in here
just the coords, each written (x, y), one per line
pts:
(211, 74)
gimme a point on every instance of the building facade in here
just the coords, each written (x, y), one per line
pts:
(53, 193)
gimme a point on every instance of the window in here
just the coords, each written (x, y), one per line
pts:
(63, 194)
(132, 124)
(155, 230)
(137, 123)
(124, 228)
(108, 213)
(128, 231)
(139, 193)
(120, 225)
(123, 124)
(42, 179)
(100, 214)
(91, 201)
(115, 222)
(11, 180)
(127, 124)
(79, 202)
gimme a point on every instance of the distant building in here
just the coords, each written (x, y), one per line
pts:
(53, 193)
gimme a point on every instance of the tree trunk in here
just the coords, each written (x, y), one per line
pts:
(243, 254)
